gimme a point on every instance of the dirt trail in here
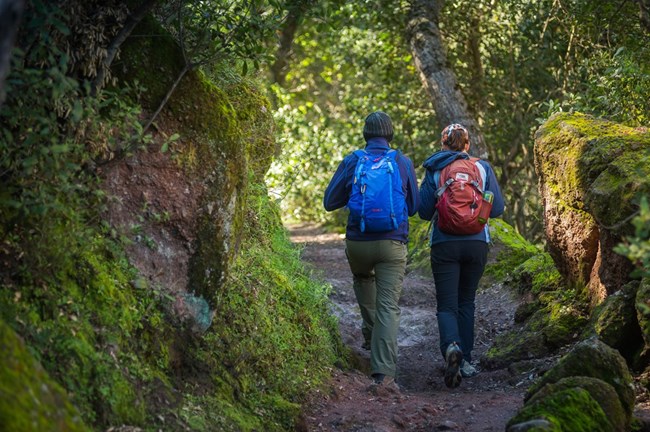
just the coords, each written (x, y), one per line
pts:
(482, 403)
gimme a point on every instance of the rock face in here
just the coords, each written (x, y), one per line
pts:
(591, 387)
(591, 173)
(182, 209)
(615, 323)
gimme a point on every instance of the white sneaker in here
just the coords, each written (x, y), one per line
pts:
(467, 370)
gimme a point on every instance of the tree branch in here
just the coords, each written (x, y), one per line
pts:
(112, 49)
(186, 69)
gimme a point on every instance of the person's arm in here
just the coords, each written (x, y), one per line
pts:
(412, 193)
(498, 205)
(337, 193)
(427, 197)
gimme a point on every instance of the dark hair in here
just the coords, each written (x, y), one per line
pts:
(454, 136)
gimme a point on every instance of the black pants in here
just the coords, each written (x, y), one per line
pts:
(457, 269)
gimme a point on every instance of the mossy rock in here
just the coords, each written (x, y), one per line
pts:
(508, 251)
(536, 275)
(513, 346)
(599, 390)
(615, 322)
(572, 409)
(642, 306)
(592, 358)
(605, 165)
(592, 173)
(29, 399)
(552, 322)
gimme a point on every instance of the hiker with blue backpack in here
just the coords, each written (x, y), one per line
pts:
(379, 187)
(459, 194)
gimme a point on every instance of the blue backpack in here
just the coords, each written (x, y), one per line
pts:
(377, 200)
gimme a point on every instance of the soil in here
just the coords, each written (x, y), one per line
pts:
(423, 403)
(482, 403)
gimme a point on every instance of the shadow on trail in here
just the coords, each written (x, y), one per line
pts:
(482, 403)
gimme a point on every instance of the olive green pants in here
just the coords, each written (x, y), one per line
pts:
(378, 268)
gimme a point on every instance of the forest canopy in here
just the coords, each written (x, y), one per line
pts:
(515, 62)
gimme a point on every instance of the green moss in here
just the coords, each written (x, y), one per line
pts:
(593, 164)
(599, 390)
(615, 322)
(552, 321)
(592, 358)
(567, 410)
(29, 399)
(536, 275)
(419, 255)
(512, 250)
(642, 305)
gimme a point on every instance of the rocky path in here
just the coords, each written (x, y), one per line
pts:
(482, 403)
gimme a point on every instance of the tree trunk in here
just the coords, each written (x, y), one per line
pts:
(10, 13)
(423, 36)
(644, 5)
(287, 34)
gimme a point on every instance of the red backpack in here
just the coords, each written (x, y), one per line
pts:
(460, 198)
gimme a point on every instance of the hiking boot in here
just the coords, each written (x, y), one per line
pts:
(383, 385)
(467, 370)
(453, 359)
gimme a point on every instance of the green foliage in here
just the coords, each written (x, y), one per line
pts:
(346, 67)
(637, 247)
(93, 323)
(212, 31)
(515, 62)
(273, 333)
(65, 285)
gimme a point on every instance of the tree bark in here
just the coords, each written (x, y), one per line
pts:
(10, 13)
(287, 34)
(644, 14)
(111, 51)
(429, 53)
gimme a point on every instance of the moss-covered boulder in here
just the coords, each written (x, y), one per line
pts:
(615, 322)
(552, 324)
(592, 358)
(642, 306)
(507, 252)
(548, 317)
(536, 275)
(29, 399)
(599, 390)
(571, 409)
(591, 173)
(182, 203)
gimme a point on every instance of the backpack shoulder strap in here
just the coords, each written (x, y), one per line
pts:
(393, 154)
(360, 153)
(482, 172)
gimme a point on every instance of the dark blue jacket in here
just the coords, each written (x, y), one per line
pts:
(338, 192)
(435, 163)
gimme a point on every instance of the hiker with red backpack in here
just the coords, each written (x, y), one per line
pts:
(379, 187)
(459, 194)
